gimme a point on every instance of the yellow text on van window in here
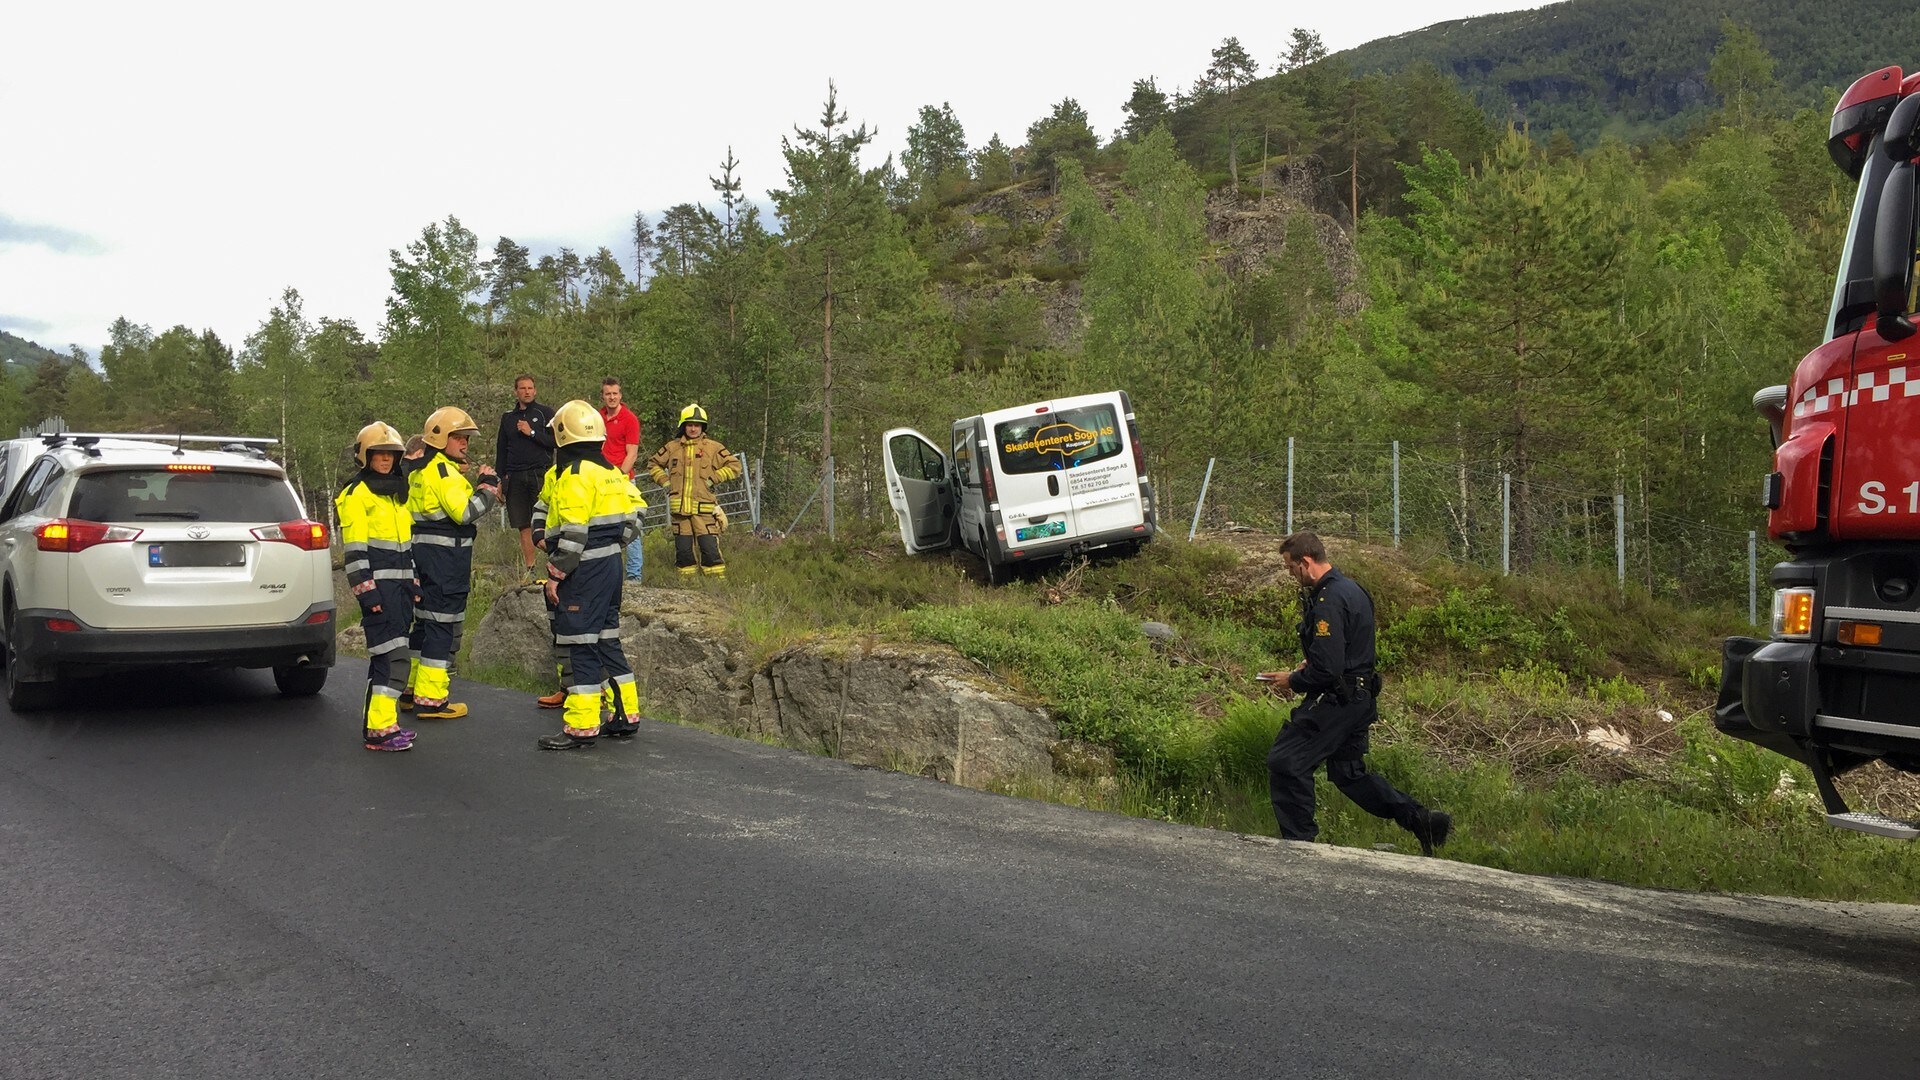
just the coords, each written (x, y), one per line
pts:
(1058, 439)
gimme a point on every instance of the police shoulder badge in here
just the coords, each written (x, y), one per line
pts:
(1320, 629)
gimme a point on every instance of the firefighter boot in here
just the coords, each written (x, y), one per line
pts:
(561, 740)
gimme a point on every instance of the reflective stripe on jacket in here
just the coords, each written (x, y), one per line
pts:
(689, 469)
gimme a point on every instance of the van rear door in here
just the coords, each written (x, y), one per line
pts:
(920, 487)
(1065, 472)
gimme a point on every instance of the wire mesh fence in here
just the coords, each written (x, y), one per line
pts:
(1475, 512)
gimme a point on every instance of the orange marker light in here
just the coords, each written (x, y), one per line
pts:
(1859, 633)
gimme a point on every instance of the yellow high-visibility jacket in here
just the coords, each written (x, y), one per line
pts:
(377, 531)
(591, 513)
(442, 501)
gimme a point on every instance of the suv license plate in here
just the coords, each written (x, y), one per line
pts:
(1035, 532)
(197, 553)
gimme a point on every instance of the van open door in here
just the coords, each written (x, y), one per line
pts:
(920, 487)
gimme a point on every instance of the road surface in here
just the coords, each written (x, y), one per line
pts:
(202, 880)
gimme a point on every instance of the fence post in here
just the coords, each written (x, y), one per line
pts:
(1620, 538)
(753, 501)
(1753, 578)
(1289, 483)
(1201, 501)
(1396, 493)
(1506, 523)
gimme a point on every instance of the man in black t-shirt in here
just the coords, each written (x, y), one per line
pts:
(522, 453)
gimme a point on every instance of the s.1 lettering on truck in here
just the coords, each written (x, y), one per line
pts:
(1837, 684)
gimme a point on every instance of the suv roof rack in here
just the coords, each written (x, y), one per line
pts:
(89, 441)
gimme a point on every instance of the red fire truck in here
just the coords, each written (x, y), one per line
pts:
(1838, 684)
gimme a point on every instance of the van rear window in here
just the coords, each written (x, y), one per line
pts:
(1057, 440)
(164, 495)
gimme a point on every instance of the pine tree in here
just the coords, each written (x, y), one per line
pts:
(1062, 133)
(1146, 109)
(1232, 68)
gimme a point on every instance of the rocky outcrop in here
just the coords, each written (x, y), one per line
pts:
(923, 709)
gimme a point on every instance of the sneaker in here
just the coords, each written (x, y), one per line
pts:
(446, 710)
(560, 740)
(406, 701)
(398, 740)
(554, 700)
(1432, 829)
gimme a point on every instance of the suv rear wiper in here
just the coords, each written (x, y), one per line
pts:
(177, 515)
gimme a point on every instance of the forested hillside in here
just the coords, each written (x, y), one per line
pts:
(1347, 261)
(1633, 68)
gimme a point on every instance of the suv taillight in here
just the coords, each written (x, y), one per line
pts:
(303, 534)
(71, 534)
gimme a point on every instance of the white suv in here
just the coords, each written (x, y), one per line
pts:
(126, 551)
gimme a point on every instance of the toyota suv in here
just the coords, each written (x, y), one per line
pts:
(132, 551)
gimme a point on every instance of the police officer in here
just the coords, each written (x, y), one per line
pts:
(689, 466)
(592, 513)
(1330, 724)
(377, 530)
(445, 508)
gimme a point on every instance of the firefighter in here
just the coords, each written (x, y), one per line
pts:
(689, 466)
(1330, 724)
(377, 529)
(445, 508)
(592, 513)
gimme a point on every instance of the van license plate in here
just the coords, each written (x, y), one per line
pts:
(1036, 532)
(216, 553)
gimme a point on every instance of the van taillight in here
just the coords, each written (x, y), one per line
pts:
(71, 535)
(1139, 455)
(986, 482)
(305, 535)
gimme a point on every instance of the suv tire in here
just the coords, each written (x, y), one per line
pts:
(25, 697)
(302, 681)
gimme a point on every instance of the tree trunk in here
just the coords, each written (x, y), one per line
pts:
(826, 402)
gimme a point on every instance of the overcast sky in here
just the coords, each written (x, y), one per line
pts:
(185, 162)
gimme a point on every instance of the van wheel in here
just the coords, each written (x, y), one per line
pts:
(998, 573)
(300, 681)
(25, 697)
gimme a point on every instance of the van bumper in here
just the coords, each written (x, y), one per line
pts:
(45, 654)
(1068, 546)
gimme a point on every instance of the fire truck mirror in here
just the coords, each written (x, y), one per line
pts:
(1893, 254)
(1902, 126)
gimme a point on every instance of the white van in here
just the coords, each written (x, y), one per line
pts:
(1039, 481)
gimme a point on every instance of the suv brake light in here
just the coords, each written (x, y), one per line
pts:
(71, 535)
(305, 535)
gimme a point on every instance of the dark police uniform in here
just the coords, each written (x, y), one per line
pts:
(1330, 724)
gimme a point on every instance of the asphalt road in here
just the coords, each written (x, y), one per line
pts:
(202, 880)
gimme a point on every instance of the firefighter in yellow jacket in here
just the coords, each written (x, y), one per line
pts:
(445, 508)
(591, 515)
(689, 466)
(377, 530)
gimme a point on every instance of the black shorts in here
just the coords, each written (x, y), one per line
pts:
(522, 490)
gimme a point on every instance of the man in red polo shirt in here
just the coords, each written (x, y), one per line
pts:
(621, 450)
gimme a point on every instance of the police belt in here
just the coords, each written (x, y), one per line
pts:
(1350, 684)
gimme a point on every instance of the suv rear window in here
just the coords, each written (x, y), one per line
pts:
(165, 495)
(1057, 440)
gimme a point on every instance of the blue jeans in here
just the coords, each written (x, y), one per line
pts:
(635, 557)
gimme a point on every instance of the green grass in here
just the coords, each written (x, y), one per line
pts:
(1492, 684)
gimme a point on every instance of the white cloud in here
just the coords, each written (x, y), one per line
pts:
(185, 162)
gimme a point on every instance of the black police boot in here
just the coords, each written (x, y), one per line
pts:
(560, 740)
(1432, 828)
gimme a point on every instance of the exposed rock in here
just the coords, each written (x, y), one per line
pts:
(351, 641)
(924, 710)
(1158, 631)
(1081, 760)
